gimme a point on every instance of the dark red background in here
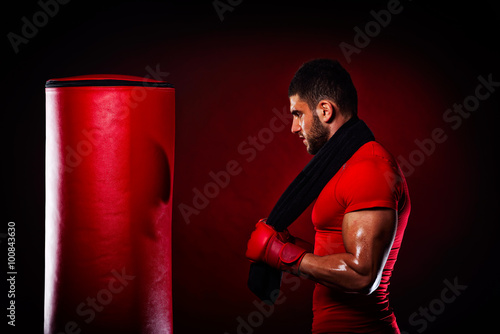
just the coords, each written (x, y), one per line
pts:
(229, 76)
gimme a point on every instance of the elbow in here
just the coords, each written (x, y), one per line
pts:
(368, 289)
(365, 285)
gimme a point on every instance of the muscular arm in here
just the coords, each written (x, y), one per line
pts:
(368, 237)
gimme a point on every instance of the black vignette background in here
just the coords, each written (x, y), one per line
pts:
(417, 72)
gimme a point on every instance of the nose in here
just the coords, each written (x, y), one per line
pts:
(295, 125)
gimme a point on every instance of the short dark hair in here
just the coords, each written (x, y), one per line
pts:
(325, 79)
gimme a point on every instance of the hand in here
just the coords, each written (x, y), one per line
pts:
(284, 236)
(259, 240)
(274, 248)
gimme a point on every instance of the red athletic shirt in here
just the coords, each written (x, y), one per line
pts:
(370, 178)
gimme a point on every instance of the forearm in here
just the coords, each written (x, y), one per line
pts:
(341, 271)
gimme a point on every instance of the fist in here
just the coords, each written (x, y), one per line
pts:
(260, 239)
(274, 248)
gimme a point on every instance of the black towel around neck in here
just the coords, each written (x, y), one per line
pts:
(265, 281)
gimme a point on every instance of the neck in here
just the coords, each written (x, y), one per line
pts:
(337, 123)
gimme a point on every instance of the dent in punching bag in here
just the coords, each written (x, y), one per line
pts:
(109, 175)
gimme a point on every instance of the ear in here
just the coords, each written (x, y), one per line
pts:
(327, 110)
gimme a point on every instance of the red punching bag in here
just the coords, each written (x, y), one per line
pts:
(109, 175)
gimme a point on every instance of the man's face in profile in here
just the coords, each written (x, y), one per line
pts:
(307, 125)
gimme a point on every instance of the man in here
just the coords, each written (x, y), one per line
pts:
(359, 215)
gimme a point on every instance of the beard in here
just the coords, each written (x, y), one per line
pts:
(317, 136)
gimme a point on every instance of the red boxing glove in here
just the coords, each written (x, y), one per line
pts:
(274, 248)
